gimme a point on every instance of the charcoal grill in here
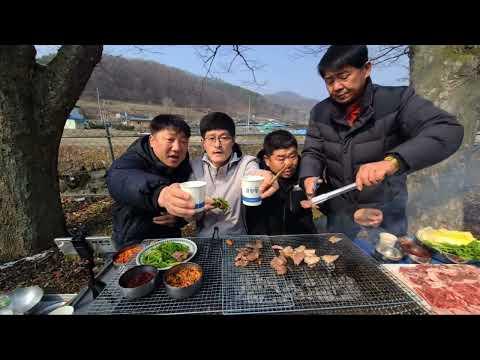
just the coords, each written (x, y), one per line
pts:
(354, 284)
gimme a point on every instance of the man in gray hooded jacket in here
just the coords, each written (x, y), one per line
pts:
(222, 167)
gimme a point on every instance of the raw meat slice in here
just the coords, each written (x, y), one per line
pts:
(448, 289)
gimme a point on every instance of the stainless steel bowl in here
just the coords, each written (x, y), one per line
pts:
(119, 264)
(142, 290)
(182, 293)
(391, 254)
(419, 259)
(25, 299)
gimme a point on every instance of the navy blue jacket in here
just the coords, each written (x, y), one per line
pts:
(281, 213)
(134, 181)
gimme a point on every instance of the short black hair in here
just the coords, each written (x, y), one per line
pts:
(169, 121)
(279, 139)
(217, 121)
(338, 56)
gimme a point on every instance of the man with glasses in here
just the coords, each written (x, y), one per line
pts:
(372, 135)
(222, 167)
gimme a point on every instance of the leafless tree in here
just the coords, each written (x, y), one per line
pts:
(210, 54)
(383, 54)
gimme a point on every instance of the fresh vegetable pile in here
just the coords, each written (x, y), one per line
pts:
(164, 255)
(456, 243)
(221, 204)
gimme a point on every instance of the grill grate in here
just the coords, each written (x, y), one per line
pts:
(254, 288)
(354, 284)
(207, 300)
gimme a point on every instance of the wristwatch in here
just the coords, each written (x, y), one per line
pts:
(394, 160)
(316, 184)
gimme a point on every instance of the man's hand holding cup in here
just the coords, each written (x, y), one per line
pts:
(176, 201)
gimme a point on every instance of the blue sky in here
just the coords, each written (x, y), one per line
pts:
(281, 66)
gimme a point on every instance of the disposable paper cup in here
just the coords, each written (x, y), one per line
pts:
(251, 190)
(387, 239)
(197, 189)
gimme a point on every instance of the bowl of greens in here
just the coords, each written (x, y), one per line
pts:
(167, 253)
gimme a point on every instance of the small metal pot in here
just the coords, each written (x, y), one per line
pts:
(142, 290)
(25, 299)
(118, 264)
(182, 293)
(389, 254)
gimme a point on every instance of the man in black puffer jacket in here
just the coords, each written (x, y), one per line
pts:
(281, 214)
(144, 184)
(372, 135)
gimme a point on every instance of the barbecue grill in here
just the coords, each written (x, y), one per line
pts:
(353, 284)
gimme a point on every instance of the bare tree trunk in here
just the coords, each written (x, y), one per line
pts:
(35, 101)
(446, 76)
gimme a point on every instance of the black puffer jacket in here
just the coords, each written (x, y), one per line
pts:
(394, 120)
(134, 181)
(281, 213)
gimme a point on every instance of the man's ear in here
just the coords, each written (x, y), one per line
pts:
(267, 160)
(368, 69)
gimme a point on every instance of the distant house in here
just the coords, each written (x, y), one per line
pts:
(139, 122)
(244, 122)
(270, 126)
(299, 132)
(76, 119)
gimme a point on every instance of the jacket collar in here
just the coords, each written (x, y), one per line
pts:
(366, 105)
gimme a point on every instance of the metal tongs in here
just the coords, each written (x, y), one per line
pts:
(331, 194)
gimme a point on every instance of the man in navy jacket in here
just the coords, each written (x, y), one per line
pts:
(144, 182)
(372, 135)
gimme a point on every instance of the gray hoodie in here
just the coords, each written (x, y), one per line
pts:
(224, 182)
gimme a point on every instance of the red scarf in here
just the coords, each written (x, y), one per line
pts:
(353, 112)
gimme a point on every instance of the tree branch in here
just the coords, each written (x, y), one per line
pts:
(209, 55)
(65, 78)
(381, 55)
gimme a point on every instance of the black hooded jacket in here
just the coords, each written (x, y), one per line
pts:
(134, 181)
(281, 213)
(393, 121)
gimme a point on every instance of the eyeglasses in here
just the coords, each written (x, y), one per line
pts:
(222, 139)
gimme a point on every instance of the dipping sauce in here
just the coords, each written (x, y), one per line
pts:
(139, 279)
(410, 247)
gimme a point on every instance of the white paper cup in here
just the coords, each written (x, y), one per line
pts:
(387, 239)
(251, 190)
(197, 189)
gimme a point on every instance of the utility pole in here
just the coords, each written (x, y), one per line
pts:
(107, 127)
